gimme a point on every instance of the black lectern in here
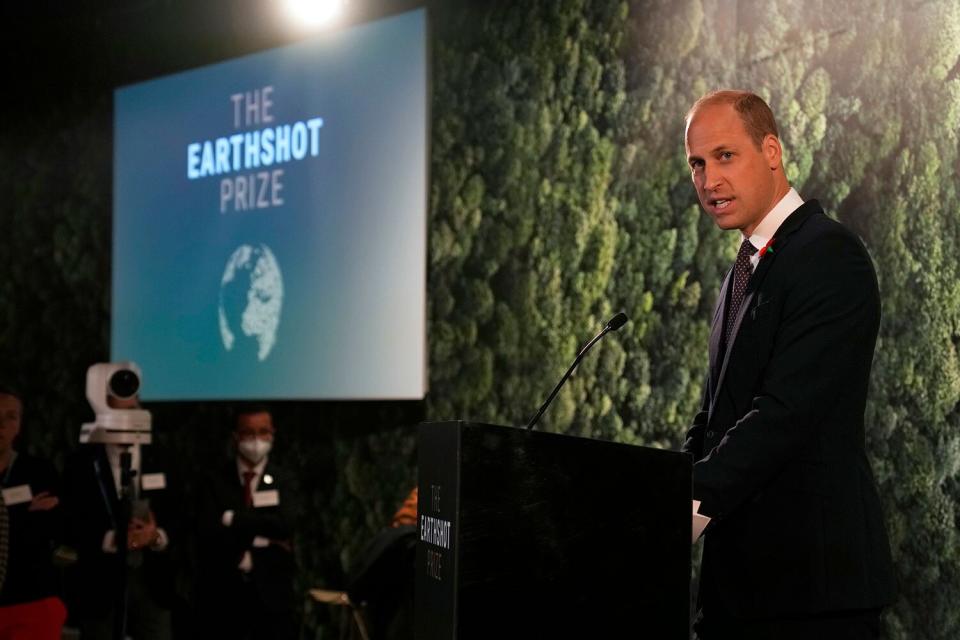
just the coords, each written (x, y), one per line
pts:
(524, 534)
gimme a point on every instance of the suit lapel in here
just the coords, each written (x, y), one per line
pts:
(733, 338)
(781, 239)
(262, 484)
(716, 329)
(234, 480)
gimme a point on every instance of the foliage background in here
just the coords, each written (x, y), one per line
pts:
(559, 194)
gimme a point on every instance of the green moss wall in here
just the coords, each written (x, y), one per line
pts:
(559, 195)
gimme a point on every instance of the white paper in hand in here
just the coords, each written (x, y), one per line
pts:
(699, 522)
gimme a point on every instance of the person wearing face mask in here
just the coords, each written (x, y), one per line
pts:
(247, 571)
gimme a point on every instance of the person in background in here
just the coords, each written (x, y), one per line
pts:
(383, 575)
(30, 608)
(154, 532)
(406, 515)
(247, 569)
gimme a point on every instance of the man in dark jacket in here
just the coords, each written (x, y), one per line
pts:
(246, 546)
(796, 546)
(92, 482)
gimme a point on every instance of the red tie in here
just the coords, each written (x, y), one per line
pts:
(248, 477)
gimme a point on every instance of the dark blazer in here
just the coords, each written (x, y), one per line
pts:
(778, 443)
(222, 547)
(33, 534)
(91, 506)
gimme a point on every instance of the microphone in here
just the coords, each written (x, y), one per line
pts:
(616, 322)
(613, 324)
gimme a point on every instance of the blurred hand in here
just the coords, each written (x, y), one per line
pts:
(142, 532)
(43, 502)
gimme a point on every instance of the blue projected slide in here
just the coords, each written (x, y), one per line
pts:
(270, 222)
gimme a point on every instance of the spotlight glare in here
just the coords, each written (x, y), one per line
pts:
(314, 13)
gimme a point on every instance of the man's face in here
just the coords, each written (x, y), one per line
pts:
(254, 425)
(10, 413)
(735, 181)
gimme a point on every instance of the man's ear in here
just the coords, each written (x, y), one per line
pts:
(772, 151)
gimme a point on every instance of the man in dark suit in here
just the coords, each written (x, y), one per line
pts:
(246, 546)
(796, 545)
(154, 538)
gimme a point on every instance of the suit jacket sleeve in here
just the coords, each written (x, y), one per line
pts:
(693, 442)
(221, 493)
(86, 511)
(42, 477)
(273, 523)
(820, 349)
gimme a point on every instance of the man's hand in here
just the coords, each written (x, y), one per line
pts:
(142, 532)
(43, 501)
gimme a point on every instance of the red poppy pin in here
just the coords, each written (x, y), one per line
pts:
(767, 247)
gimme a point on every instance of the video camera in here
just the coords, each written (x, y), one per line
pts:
(110, 384)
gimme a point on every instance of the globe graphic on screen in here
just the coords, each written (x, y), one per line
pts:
(251, 298)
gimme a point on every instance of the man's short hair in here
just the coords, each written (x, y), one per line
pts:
(247, 409)
(10, 390)
(754, 112)
(14, 392)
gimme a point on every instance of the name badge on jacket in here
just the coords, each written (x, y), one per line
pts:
(17, 495)
(266, 498)
(153, 481)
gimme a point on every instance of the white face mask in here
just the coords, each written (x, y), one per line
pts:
(254, 449)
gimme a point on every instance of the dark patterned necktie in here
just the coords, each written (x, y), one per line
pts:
(742, 270)
(4, 539)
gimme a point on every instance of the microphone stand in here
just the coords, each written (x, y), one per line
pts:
(610, 327)
(123, 520)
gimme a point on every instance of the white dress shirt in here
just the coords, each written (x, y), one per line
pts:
(772, 221)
